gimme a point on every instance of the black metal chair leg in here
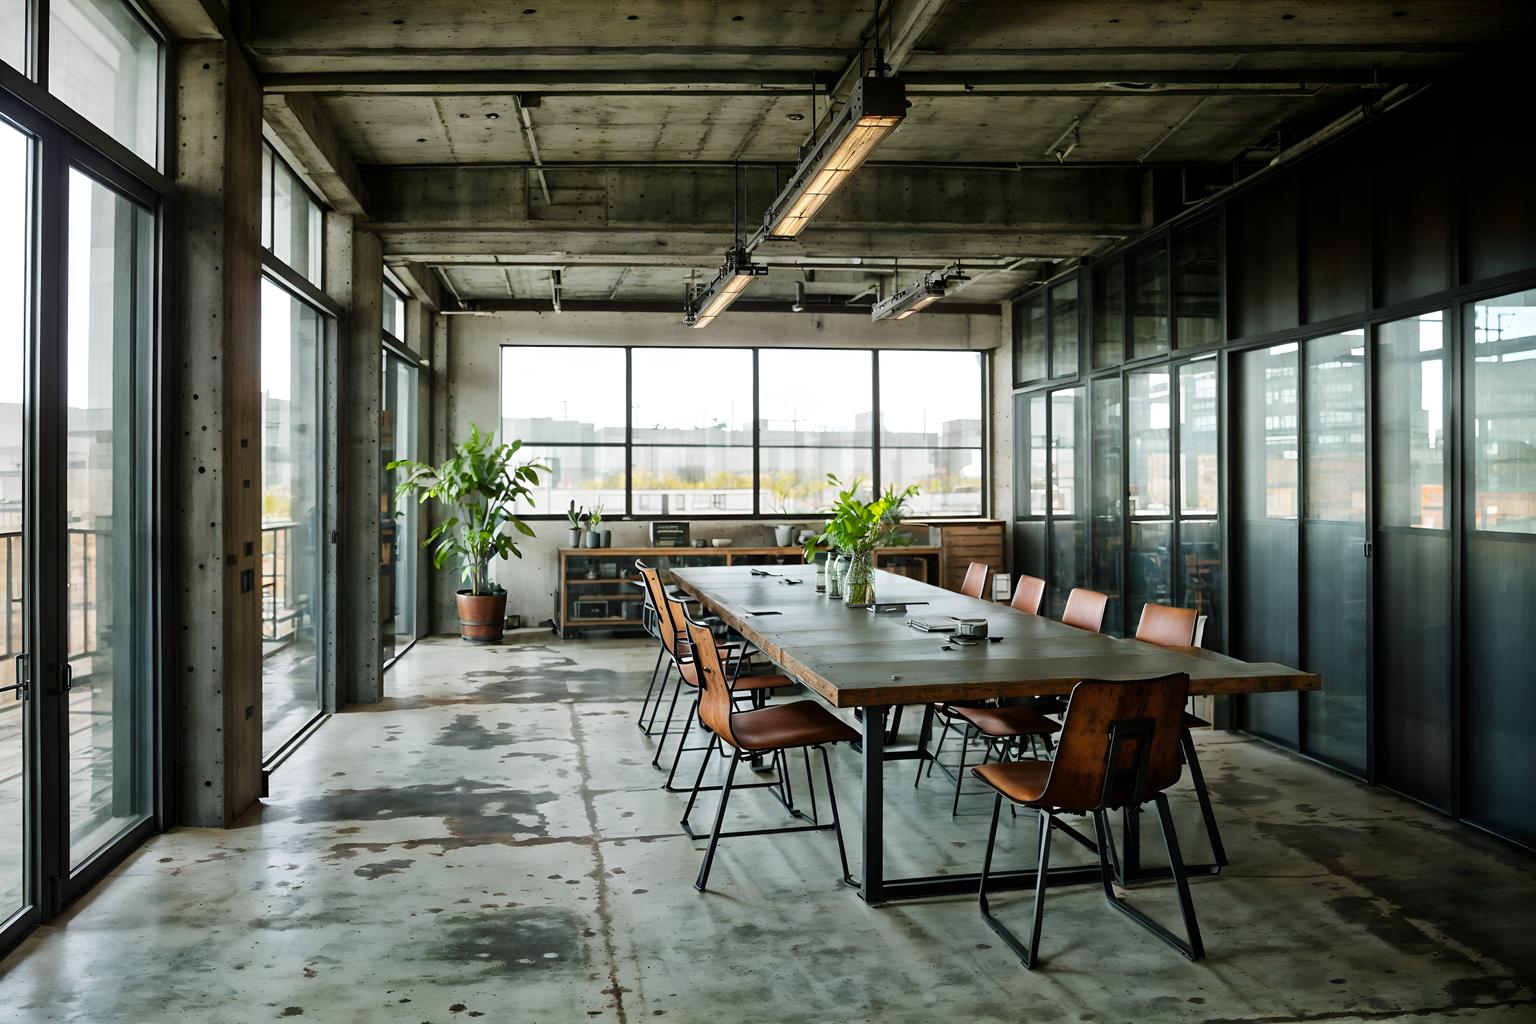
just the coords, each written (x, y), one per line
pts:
(697, 782)
(714, 835)
(661, 693)
(1196, 776)
(655, 671)
(1193, 949)
(1027, 954)
(682, 743)
(667, 725)
(837, 825)
(943, 735)
(810, 783)
(965, 741)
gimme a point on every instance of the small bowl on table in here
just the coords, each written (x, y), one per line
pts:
(721, 542)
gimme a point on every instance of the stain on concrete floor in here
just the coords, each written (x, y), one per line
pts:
(491, 841)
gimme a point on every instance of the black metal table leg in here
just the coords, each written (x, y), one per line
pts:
(873, 888)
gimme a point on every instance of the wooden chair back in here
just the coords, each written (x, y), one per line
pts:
(1167, 626)
(975, 583)
(1085, 609)
(1119, 743)
(666, 611)
(714, 684)
(1028, 595)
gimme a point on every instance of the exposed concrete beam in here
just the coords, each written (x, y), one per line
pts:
(778, 83)
(193, 20)
(421, 283)
(312, 140)
(834, 304)
(429, 214)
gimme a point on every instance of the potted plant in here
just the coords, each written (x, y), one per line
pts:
(856, 528)
(478, 488)
(783, 493)
(576, 516)
(593, 538)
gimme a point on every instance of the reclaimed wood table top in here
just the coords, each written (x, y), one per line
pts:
(855, 658)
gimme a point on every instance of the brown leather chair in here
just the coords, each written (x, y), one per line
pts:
(1119, 748)
(1085, 609)
(1167, 626)
(670, 615)
(801, 724)
(1006, 727)
(1028, 595)
(975, 582)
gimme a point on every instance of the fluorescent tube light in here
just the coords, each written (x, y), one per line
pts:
(914, 298)
(875, 107)
(710, 301)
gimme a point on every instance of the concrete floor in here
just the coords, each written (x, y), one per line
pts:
(491, 842)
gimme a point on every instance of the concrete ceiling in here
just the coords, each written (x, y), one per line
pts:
(496, 143)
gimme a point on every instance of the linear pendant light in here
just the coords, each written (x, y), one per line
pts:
(710, 301)
(916, 297)
(875, 107)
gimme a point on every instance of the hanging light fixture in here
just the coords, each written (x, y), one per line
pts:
(875, 107)
(710, 301)
(916, 297)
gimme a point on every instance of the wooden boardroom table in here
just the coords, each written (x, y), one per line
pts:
(855, 658)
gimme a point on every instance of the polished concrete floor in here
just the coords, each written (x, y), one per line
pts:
(490, 842)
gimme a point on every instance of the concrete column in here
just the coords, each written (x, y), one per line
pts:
(213, 590)
(355, 278)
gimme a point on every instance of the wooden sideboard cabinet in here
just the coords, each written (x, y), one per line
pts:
(600, 589)
(963, 541)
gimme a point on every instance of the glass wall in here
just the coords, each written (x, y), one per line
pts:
(1148, 269)
(110, 313)
(1068, 530)
(1106, 466)
(1109, 315)
(1335, 631)
(292, 513)
(700, 419)
(1197, 283)
(1064, 329)
(1504, 413)
(1410, 439)
(1030, 352)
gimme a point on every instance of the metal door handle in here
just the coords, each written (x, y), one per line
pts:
(69, 676)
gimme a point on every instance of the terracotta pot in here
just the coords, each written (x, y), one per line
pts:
(481, 616)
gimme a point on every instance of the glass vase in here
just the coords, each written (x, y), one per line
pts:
(835, 576)
(859, 585)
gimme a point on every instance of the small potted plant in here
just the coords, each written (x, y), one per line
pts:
(576, 516)
(783, 493)
(856, 528)
(478, 487)
(593, 538)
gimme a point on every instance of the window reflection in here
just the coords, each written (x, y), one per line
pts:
(1335, 439)
(1199, 464)
(1069, 561)
(1109, 315)
(1107, 495)
(1029, 339)
(1504, 413)
(1150, 410)
(1197, 283)
(104, 63)
(1410, 416)
(1064, 329)
(1149, 300)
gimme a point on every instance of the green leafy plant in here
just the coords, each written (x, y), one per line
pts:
(576, 516)
(478, 487)
(595, 517)
(858, 526)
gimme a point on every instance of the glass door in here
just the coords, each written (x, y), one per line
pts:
(399, 531)
(292, 516)
(17, 828)
(108, 314)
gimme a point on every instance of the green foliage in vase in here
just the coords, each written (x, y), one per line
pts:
(859, 526)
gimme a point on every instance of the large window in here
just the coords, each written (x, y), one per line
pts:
(105, 63)
(930, 429)
(736, 432)
(1504, 413)
(292, 220)
(1411, 449)
(400, 529)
